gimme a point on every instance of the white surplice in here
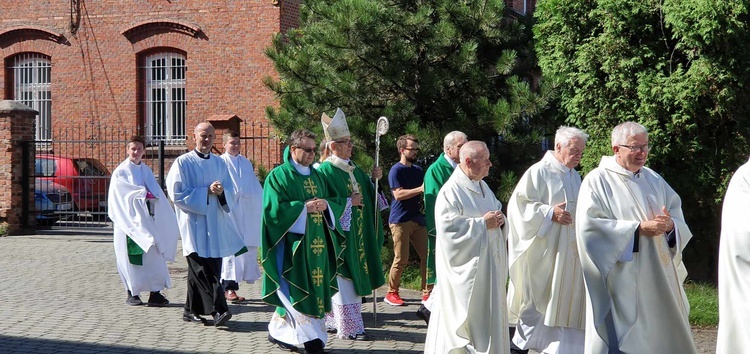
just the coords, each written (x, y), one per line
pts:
(471, 268)
(636, 302)
(247, 213)
(546, 296)
(734, 266)
(205, 225)
(156, 235)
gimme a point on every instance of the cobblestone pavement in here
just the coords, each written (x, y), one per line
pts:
(60, 293)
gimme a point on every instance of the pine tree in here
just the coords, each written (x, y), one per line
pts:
(430, 66)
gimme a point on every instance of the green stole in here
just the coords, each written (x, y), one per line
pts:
(363, 242)
(135, 252)
(309, 261)
(434, 179)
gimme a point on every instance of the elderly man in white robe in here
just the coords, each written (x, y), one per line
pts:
(203, 193)
(247, 213)
(145, 227)
(470, 261)
(631, 232)
(734, 266)
(546, 296)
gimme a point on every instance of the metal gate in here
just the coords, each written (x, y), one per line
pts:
(71, 175)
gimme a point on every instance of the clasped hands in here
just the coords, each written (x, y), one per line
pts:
(659, 226)
(316, 205)
(216, 188)
(560, 215)
(494, 219)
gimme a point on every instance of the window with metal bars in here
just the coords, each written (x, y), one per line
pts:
(164, 100)
(32, 86)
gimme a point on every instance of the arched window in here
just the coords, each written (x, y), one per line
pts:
(32, 86)
(164, 101)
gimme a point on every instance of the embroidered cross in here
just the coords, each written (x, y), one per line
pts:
(318, 246)
(321, 308)
(317, 276)
(317, 218)
(310, 187)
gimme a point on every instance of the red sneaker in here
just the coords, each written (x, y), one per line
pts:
(425, 297)
(393, 299)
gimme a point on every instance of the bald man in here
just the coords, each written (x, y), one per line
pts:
(202, 191)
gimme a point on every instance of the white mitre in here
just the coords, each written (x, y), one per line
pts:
(335, 128)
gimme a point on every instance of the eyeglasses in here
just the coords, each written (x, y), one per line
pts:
(347, 142)
(640, 148)
(412, 149)
(307, 150)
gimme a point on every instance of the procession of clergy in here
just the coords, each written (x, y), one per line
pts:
(595, 266)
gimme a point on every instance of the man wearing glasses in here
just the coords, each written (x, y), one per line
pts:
(631, 232)
(362, 269)
(546, 298)
(407, 221)
(299, 248)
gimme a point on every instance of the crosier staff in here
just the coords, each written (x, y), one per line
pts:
(380, 129)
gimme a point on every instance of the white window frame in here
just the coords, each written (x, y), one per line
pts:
(32, 86)
(164, 101)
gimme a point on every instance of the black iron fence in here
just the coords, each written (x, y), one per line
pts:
(71, 172)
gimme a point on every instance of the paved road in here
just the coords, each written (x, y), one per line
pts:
(60, 293)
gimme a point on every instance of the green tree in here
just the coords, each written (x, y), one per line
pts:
(680, 68)
(430, 66)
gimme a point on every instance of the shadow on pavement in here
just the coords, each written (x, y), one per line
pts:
(37, 345)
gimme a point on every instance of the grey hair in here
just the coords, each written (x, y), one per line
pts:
(564, 135)
(472, 149)
(452, 137)
(296, 138)
(623, 131)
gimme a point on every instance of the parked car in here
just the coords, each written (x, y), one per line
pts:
(52, 202)
(86, 179)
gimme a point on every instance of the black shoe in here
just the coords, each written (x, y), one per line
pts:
(156, 299)
(221, 318)
(518, 351)
(134, 301)
(315, 346)
(332, 330)
(364, 300)
(191, 317)
(360, 336)
(282, 345)
(424, 314)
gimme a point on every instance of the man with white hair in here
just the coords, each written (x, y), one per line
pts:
(631, 232)
(470, 257)
(435, 177)
(546, 301)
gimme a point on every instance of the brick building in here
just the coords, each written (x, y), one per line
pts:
(155, 67)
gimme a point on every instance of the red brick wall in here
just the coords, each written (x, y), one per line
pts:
(16, 126)
(518, 5)
(94, 73)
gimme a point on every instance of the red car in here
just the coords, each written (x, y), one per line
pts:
(86, 179)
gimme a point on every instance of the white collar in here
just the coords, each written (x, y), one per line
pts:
(303, 170)
(450, 161)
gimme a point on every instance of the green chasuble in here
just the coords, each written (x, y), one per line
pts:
(434, 179)
(307, 262)
(364, 240)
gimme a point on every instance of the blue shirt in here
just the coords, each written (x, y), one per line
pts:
(412, 209)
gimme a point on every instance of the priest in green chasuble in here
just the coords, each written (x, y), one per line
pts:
(300, 248)
(435, 177)
(362, 270)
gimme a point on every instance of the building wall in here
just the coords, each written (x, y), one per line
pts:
(94, 70)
